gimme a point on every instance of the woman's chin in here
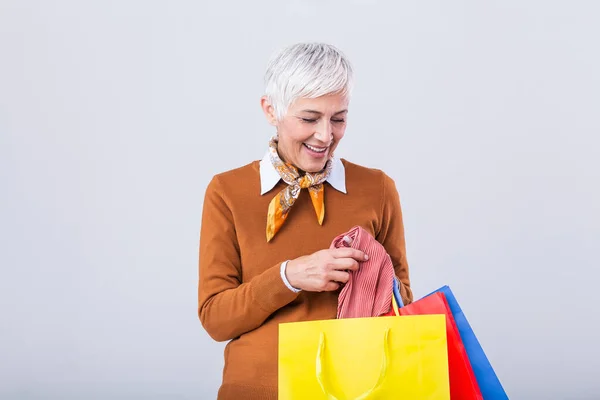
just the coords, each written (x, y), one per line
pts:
(314, 162)
(313, 166)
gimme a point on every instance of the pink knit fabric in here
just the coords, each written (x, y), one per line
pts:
(368, 292)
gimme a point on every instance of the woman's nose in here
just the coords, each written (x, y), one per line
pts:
(324, 131)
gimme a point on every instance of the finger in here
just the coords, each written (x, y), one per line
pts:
(342, 264)
(347, 240)
(331, 286)
(339, 276)
(348, 252)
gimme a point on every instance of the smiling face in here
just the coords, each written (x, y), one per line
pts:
(310, 131)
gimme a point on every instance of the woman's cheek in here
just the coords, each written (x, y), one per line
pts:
(338, 135)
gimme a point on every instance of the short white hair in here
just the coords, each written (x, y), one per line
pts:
(306, 70)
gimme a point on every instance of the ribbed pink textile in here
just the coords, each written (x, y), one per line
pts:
(368, 292)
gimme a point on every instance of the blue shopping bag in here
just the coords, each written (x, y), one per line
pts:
(490, 385)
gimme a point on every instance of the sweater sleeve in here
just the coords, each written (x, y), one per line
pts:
(227, 306)
(391, 236)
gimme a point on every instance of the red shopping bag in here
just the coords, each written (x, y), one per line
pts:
(463, 384)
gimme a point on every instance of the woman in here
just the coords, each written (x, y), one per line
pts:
(264, 254)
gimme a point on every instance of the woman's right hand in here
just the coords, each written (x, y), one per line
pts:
(324, 270)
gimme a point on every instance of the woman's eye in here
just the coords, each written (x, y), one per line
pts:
(312, 120)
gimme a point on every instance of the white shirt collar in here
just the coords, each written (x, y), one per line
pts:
(269, 177)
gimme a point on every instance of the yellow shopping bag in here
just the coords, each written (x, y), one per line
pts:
(364, 358)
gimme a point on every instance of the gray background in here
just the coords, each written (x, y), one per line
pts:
(114, 115)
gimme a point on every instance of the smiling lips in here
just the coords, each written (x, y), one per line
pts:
(314, 149)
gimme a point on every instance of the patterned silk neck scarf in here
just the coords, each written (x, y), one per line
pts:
(282, 203)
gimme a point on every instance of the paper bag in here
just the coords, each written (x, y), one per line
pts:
(364, 358)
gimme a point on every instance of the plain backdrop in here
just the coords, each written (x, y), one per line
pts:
(114, 116)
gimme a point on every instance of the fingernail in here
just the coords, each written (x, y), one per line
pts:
(366, 256)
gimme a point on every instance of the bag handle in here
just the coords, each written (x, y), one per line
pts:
(382, 372)
(395, 307)
(396, 292)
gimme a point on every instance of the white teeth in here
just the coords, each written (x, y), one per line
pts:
(315, 148)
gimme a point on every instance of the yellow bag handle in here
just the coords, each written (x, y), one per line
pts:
(382, 373)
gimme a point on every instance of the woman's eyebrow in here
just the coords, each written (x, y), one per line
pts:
(320, 113)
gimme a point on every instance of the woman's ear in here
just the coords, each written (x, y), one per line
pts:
(269, 110)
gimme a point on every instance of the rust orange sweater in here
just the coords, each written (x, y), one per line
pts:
(241, 296)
